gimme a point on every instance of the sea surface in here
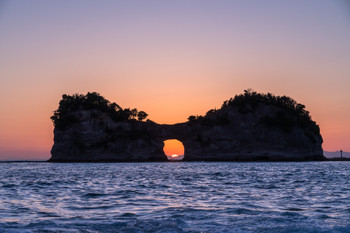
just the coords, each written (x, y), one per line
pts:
(175, 197)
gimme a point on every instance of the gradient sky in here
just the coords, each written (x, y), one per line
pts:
(171, 59)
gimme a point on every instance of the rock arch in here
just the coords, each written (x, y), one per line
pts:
(249, 127)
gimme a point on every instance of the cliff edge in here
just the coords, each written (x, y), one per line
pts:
(249, 127)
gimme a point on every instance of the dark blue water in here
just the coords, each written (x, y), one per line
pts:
(175, 197)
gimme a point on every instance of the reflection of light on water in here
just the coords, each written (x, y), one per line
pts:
(175, 157)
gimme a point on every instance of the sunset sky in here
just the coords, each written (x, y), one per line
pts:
(173, 149)
(170, 59)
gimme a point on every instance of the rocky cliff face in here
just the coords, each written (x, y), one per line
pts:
(247, 138)
(253, 131)
(96, 137)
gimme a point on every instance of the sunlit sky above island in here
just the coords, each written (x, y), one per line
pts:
(171, 59)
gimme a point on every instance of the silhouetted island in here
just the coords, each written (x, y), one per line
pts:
(249, 127)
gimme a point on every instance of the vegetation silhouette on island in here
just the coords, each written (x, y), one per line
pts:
(63, 117)
(249, 127)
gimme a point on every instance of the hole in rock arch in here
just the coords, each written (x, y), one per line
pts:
(174, 150)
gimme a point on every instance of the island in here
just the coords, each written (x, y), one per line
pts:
(249, 127)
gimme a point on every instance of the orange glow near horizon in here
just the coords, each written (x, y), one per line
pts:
(174, 149)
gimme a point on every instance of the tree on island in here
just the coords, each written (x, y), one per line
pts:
(192, 118)
(141, 115)
(290, 114)
(63, 117)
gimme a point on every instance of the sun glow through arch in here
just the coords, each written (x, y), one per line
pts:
(174, 149)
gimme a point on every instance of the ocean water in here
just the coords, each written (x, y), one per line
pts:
(175, 197)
